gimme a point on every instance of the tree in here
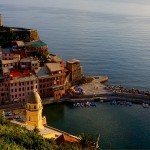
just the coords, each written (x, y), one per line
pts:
(87, 142)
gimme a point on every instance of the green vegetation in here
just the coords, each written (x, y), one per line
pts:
(19, 138)
(7, 34)
(42, 56)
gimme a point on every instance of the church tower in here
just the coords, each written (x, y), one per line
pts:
(34, 111)
(1, 23)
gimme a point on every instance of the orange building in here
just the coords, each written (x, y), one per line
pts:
(51, 79)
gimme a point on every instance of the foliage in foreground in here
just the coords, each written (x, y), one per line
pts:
(13, 137)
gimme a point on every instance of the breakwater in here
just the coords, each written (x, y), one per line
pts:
(134, 95)
(114, 92)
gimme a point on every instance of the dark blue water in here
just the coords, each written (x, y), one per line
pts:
(120, 127)
(110, 37)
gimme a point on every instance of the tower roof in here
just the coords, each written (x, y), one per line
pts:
(33, 98)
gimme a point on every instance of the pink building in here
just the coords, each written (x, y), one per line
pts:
(21, 83)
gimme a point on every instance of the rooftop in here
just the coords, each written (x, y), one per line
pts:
(29, 59)
(4, 62)
(54, 67)
(33, 98)
(73, 61)
(6, 51)
(19, 73)
(19, 43)
(42, 72)
(54, 58)
(24, 79)
(36, 43)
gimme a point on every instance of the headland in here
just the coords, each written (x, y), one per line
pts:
(26, 64)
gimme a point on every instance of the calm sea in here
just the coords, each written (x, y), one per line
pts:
(120, 127)
(110, 37)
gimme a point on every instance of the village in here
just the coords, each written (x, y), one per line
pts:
(28, 65)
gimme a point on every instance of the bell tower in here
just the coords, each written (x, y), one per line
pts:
(1, 23)
(34, 111)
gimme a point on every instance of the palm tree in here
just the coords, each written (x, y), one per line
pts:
(87, 142)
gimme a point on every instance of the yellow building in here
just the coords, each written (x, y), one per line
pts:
(34, 111)
(34, 119)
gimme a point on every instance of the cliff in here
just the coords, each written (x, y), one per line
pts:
(8, 34)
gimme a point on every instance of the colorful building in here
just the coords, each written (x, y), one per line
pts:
(34, 110)
(21, 84)
(29, 63)
(34, 119)
(51, 79)
(75, 69)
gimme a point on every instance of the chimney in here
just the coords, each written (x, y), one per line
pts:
(1, 24)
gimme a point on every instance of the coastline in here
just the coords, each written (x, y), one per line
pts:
(96, 91)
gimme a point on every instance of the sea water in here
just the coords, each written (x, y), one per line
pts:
(110, 37)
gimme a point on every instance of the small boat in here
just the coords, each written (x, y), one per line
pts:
(113, 102)
(101, 101)
(145, 105)
(81, 104)
(75, 104)
(93, 104)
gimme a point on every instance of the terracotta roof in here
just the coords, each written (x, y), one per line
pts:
(54, 67)
(18, 73)
(67, 138)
